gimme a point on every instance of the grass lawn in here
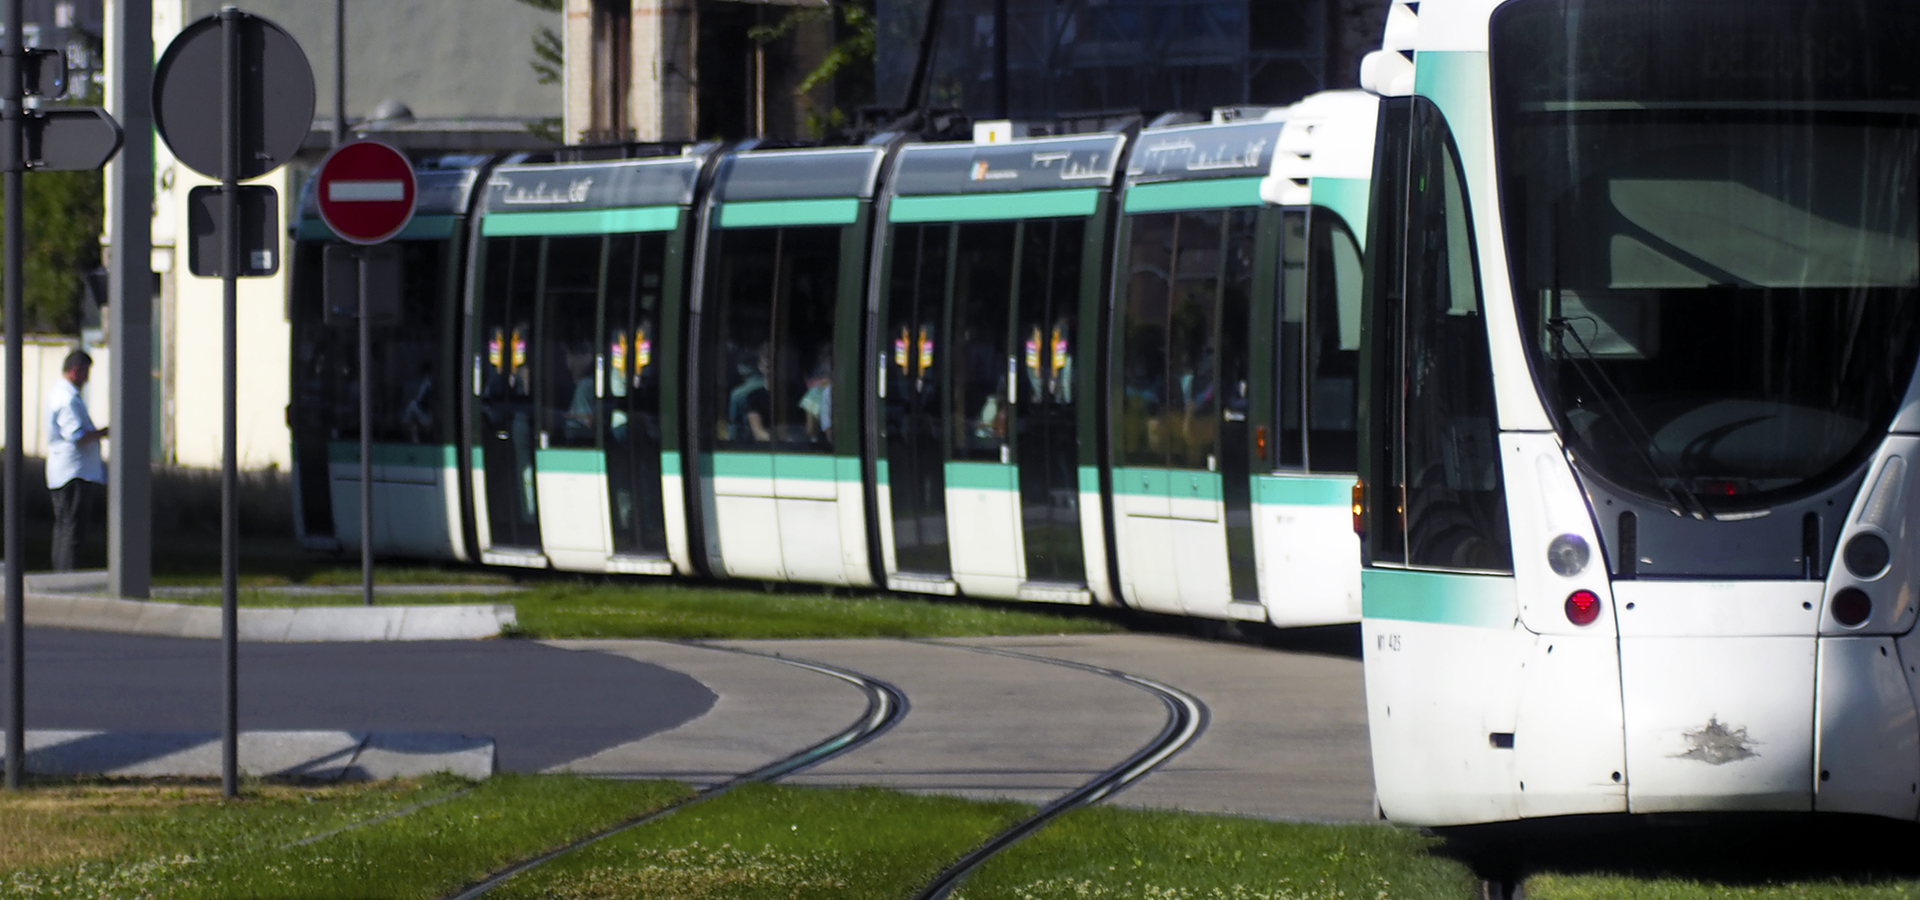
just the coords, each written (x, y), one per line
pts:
(766, 842)
(1113, 853)
(558, 607)
(119, 841)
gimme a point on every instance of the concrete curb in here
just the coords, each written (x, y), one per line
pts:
(316, 755)
(276, 625)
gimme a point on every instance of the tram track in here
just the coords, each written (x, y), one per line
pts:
(886, 706)
(1187, 719)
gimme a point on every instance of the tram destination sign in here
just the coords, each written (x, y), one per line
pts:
(365, 191)
(1029, 165)
(1204, 151)
(611, 185)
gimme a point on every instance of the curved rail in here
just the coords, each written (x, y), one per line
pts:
(886, 705)
(1186, 720)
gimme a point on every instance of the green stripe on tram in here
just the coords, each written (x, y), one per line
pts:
(764, 213)
(583, 221)
(419, 456)
(1442, 598)
(670, 462)
(1179, 484)
(983, 207)
(567, 461)
(802, 466)
(1168, 196)
(419, 228)
(981, 476)
(1304, 490)
(1349, 197)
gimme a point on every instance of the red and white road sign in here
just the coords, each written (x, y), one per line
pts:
(365, 191)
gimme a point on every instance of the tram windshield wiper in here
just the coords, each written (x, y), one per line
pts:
(1614, 403)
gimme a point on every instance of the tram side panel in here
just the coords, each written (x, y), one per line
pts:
(781, 310)
(416, 496)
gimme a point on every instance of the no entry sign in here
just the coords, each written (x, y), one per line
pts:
(365, 191)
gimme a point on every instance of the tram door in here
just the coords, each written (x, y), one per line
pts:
(631, 428)
(916, 484)
(505, 430)
(1045, 422)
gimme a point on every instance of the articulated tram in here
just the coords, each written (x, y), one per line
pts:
(1639, 391)
(1117, 368)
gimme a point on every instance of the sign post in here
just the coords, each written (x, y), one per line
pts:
(366, 193)
(266, 96)
(57, 138)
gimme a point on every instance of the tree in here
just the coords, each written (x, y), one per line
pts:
(850, 59)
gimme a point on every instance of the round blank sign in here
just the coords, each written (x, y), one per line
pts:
(276, 96)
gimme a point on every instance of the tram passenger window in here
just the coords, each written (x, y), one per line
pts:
(1289, 368)
(1143, 341)
(569, 306)
(1236, 297)
(1063, 341)
(982, 284)
(630, 343)
(1456, 511)
(1193, 349)
(741, 356)
(806, 296)
(1333, 345)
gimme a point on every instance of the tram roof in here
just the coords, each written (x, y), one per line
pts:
(1031, 164)
(437, 192)
(807, 174)
(578, 187)
(1208, 151)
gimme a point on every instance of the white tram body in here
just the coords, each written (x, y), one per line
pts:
(1639, 531)
(1115, 368)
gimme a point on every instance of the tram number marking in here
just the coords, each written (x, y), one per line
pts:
(1387, 642)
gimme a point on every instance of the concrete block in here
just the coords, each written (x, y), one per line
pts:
(427, 623)
(341, 623)
(399, 754)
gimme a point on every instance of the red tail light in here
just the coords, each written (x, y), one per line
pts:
(1583, 607)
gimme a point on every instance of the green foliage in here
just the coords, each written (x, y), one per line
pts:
(851, 55)
(62, 224)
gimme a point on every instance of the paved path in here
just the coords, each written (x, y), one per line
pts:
(543, 705)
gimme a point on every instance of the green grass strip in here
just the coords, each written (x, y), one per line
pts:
(1108, 853)
(202, 847)
(767, 842)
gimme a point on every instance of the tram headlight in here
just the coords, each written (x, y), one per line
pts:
(1568, 555)
(1867, 555)
(1583, 607)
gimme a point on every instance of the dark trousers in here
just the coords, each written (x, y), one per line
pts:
(73, 504)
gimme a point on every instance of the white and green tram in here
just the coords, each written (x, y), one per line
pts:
(1639, 390)
(954, 368)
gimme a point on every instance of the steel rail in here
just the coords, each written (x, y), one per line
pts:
(886, 705)
(1187, 718)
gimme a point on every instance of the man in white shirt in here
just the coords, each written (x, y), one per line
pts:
(74, 471)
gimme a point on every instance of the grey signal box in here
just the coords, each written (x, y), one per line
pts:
(259, 231)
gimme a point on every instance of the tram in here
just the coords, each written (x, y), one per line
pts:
(1638, 395)
(1099, 368)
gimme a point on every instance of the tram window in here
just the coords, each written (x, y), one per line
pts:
(983, 284)
(1062, 240)
(742, 353)
(1289, 450)
(405, 395)
(1236, 297)
(1456, 511)
(1383, 286)
(631, 341)
(1193, 340)
(570, 296)
(1143, 340)
(1333, 345)
(806, 296)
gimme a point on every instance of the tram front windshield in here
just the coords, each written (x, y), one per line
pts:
(1713, 222)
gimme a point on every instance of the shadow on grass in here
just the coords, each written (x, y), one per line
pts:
(1723, 849)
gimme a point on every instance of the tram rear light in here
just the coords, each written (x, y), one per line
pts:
(1852, 606)
(1583, 607)
(1359, 507)
(1260, 441)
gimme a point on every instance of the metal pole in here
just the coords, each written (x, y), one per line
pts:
(339, 72)
(11, 151)
(130, 312)
(366, 436)
(229, 461)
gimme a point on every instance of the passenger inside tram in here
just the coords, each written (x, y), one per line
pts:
(749, 405)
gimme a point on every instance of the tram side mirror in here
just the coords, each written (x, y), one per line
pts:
(344, 278)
